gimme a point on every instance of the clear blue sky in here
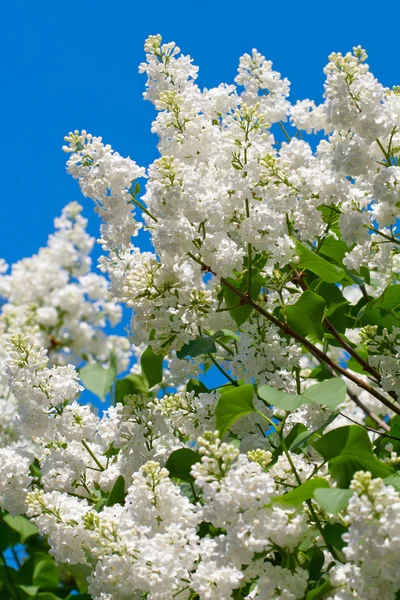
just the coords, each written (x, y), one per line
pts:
(73, 65)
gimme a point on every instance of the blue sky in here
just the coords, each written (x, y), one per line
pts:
(73, 65)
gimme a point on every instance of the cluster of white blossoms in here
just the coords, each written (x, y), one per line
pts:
(54, 298)
(372, 542)
(384, 352)
(275, 263)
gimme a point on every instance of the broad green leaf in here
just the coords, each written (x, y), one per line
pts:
(29, 591)
(241, 313)
(333, 248)
(232, 405)
(280, 399)
(294, 433)
(347, 450)
(98, 379)
(393, 480)
(226, 388)
(117, 494)
(22, 526)
(333, 534)
(339, 318)
(307, 314)
(316, 563)
(152, 366)
(333, 500)
(47, 596)
(303, 492)
(330, 216)
(80, 573)
(382, 441)
(314, 263)
(131, 384)
(303, 439)
(322, 591)
(180, 462)
(45, 573)
(203, 345)
(330, 392)
(354, 365)
(8, 536)
(320, 373)
(196, 386)
(228, 333)
(383, 311)
(330, 293)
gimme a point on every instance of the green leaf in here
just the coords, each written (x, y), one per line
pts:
(200, 345)
(333, 500)
(333, 248)
(304, 438)
(80, 573)
(45, 573)
(355, 365)
(383, 311)
(303, 492)
(29, 591)
(98, 379)
(152, 367)
(347, 450)
(196, 386)
(294, 433)
(228, 333)
(333, 534)
(22, 526)
(316, 563)
(232, 405)
(117, 494)
(393, 480)
(240, 314)
(314, 263)
(280, 399)
(383, 440)
(8, 536)
(180, 462)
(307, 314)
(331, 294)
(330, 393)
(131, 384)
(321, 591)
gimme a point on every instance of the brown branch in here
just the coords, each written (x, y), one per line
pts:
(392, 437)
(313, 349)
(319, 354)
(332, 329)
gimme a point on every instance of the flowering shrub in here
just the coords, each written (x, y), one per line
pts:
(275, 263)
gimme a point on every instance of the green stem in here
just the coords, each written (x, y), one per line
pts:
(98, 463)
(143, 208)
(221, 370)
(384, 235)
(308, 502)
(287, 136)
(385, 154)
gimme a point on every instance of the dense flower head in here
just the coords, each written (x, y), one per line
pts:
(274, 262)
